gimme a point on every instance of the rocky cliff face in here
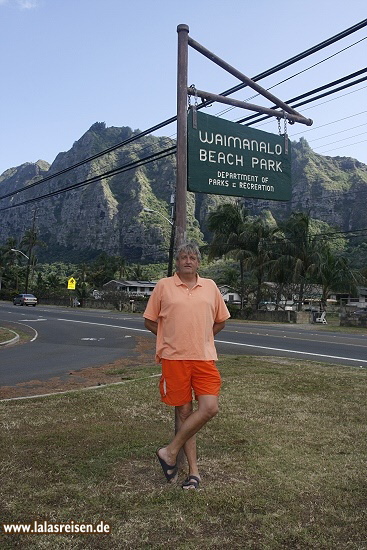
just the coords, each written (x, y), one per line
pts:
(331, 189)
(108, 214)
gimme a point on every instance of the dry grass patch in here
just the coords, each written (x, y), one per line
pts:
(283, 464)
(6, 334)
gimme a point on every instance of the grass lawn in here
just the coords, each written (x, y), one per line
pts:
(6, 334)
(283, 464)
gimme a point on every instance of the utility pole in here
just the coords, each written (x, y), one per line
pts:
(30, 248)
(172, 238)
(181, 157)
(181, 162)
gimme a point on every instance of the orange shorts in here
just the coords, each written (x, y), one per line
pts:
(181, 377)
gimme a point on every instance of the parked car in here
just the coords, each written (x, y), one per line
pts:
(359, 312)
(25, 300)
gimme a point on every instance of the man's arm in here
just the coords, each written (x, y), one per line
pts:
(217, 327)
(151, 325)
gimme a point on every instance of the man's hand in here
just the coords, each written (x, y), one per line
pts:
(151, 325)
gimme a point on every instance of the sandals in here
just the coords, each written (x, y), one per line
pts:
(191, 482)
(166, 467)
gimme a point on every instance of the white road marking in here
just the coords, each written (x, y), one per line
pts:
(32, 320)
(103, 325)
(36, 333)
(95, 339)
(292, 351)
(234, 343)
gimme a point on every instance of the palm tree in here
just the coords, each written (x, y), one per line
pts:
(336, 274)
(227, 224)
(303, 251)
(280, 271)
(82, 288)
(53, 282)
(29, 242)
(138, 272)
(12, 268)
(104, 269)
(249, 240)
(3, 264)
(121, 267)
(258, 237)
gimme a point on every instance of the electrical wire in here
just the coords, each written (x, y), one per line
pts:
(336, 133)
(292, 60)
(309, 93)
(132, 138)
(172, 119)
(272, 70)
(88, 159)
(136, 164)
(328, 124)
(339, 140)
(343, 147)
(294, 75)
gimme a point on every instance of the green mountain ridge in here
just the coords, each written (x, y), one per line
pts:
(108, 215)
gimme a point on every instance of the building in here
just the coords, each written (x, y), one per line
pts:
(229, 295)
(132, 288)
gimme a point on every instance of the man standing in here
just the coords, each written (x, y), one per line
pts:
(185, 312)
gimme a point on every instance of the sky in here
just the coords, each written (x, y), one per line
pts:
(66, 64)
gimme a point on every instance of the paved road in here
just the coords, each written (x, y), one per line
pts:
(65, 339)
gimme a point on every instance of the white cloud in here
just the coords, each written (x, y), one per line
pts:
(21, 4)
(27, 4)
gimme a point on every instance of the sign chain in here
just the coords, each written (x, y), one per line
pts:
(279, 127)
(194, 111)
(285, 131)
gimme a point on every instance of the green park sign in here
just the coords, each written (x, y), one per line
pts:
(226, 158)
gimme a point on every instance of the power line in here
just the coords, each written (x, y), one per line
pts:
(328, 123)
(339, 140)
(136, 164)
(296, 74)
(336, 133)
(309, 93)
(298, 57)
(278, 67)
(160, 125)
(89, 159)
(344, 146)
(107, 174)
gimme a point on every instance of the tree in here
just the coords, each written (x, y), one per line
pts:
(137, 272)
(258, 238)
(12, 274)
(29, 242)
(53, 282)
(3, 264)
(336, 274)
(227, 224)
(302, 251)
(104, 269)
(82, 287)
(249, 240)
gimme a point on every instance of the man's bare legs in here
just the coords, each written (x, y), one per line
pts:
(190, 446)
(190, 422)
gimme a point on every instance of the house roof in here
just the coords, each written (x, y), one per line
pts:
(138, 284)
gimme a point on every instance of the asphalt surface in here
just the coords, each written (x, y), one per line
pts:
(66, 347)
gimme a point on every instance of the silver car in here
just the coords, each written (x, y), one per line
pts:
(25, 300)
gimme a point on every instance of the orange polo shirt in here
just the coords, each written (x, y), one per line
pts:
(185, 318)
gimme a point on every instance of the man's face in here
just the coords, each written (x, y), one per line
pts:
(187, 263)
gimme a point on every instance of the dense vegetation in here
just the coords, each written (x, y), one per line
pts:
(255, 256)
(109, 214)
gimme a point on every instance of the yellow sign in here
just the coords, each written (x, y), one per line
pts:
(71, 283)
